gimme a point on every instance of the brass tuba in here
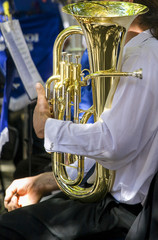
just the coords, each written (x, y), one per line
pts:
(104, 25)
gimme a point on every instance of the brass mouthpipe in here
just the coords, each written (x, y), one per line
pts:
(113, 73)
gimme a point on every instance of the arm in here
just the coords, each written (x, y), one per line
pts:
(29, 190)
(122, 131)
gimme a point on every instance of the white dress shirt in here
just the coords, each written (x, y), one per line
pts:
(126, 137)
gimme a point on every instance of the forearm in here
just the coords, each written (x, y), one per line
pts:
(45, 183)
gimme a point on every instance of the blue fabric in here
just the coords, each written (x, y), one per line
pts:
(3, 56)
(40, 31)
(7, 90)
(35, 6)
(4, 112)
(86, 92)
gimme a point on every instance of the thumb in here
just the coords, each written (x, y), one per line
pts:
(40, 90)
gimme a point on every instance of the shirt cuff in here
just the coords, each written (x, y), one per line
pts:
(51, 132)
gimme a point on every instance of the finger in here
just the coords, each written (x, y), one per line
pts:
(10, 191)
(12, 204)
(40, 91)
(11, 208)
(42, 104)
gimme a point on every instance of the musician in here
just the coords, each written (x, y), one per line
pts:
(125, 140)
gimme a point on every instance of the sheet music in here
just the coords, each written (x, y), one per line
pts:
(19, 51)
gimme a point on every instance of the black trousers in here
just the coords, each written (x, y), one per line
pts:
(145, 227)
(60, 218)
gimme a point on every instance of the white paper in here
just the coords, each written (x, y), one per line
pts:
(19, 51)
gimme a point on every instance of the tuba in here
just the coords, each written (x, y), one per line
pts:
(104, 25)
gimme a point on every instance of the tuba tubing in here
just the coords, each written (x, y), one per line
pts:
(104, 25)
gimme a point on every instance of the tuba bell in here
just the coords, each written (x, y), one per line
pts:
(104, 25)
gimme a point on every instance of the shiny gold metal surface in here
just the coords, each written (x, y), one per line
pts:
(104, 25)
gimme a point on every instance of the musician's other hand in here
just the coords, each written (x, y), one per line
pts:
(29, 190)
(22, 192)
(41, 112)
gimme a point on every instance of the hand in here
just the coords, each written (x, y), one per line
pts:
(41, 112)
(29, 190)
(20, 193)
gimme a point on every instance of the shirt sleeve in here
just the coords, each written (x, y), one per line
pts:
(121, 132)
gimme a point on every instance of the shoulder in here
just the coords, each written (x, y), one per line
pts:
(149, 53)
(142, 51)
(143, 44)
(150, 45)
